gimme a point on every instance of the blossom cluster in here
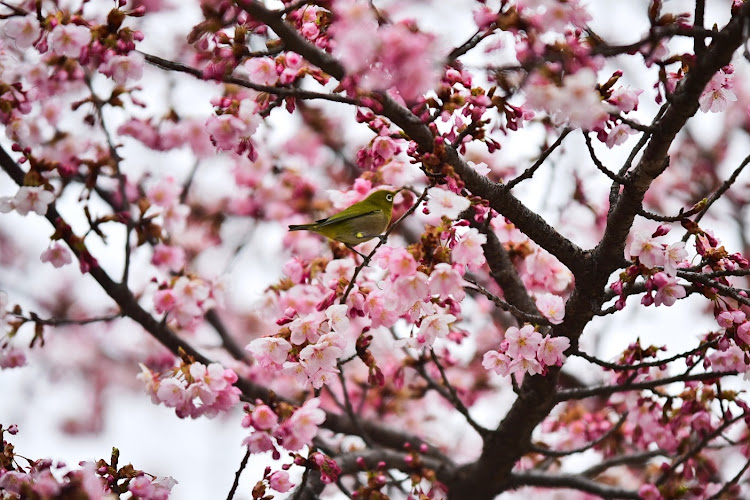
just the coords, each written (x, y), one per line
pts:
(318, 341)
(380, 57)
(718, 93)
(46, 478)
(185, 300)
(296, 430)
(40, 479)
(193, 389)
(524, 350)
(652, 255)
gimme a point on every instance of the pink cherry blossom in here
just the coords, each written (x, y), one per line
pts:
(523, 342)
(225, 130)
(124, 67)
(446, 281)
(732, 359)
(306, 328)
(618, 135)
(406, 290)
(674, 255)
(269, 352)
(551, 306)
(355, 33)
(649, 253)
(24, 30)
(165, 300)
(28, 199)
(625, 99)
(168, 257)
(302, 426)
(431, 328)
(171, 392)
(316, 356)
(469, 251)
(279, 481)
(384, 148)
(725, 319)
(68, 39)
(577, 102)
(57, 254)
(444, 203)
(649, 492)
(12, 357)
(526, 365)
(338, 319)
(262, 70)
(258, 442)
(164, 192)
(551, 349)
(264, 418)
(322, 376)
(400, 262)
(743, 332)
(669, 291)
(718, 93)
(497, 361)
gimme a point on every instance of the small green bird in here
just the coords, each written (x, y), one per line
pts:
(360, 222)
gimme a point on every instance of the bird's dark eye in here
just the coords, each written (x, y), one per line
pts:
(389, 197)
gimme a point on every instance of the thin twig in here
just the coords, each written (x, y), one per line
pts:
(698, 447)
(454, 399)
(280, 91)
(599, 165)
(581, 449)
(649, 364)
(237, 474)
(505, 306)
(731, 482)
(529, 172)
(597, 469)
(606, 390)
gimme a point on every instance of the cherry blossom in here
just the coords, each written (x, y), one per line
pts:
(718, 93)
(23, 30)
(552, 307)
(649, 253)
(468, 250)
(262, 70)
(443, 203)
(280, 482)
(497, 361)
(523, 342)
(618, 135)
(551, 350)
(28, 199)
(668, 290)
(269, 352)
(57, 255)
(69, 39)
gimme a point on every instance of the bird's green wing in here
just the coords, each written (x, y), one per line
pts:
(344, 216)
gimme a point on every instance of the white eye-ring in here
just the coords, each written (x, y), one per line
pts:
(389, 197)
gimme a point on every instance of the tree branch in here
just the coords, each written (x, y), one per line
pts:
(606, 390)
(570, 481)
